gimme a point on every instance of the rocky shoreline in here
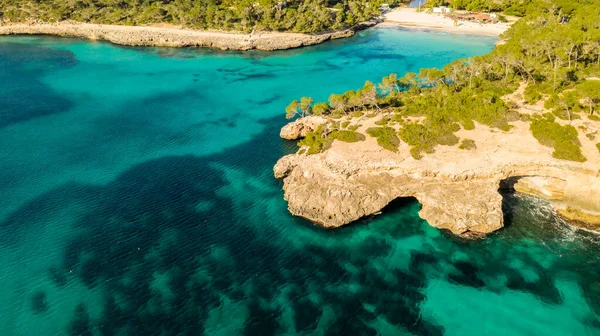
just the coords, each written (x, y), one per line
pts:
(175, 37)
(458, 189)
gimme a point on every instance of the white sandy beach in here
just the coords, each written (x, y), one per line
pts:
(409, 17)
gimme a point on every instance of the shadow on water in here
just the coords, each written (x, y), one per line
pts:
(171, 248)
(28, 97)
(147, 225)
(165, 260)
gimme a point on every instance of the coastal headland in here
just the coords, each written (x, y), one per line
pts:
(523, 117)
(458, 188)
(148, 36)
(174, 36)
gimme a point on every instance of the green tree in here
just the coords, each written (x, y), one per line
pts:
(368, 95)
(389, 84)
(338, 103)
(321, 108)
(292, 109)
(590, 92)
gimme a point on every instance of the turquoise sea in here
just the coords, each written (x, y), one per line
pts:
(137, 198)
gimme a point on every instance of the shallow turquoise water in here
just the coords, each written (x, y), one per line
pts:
(138, 199)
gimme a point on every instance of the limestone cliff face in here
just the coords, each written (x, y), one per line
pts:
(174, 37)
(300, 127)
(458, 189)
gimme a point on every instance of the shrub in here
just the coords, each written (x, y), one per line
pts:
(424, 137)
(357, 114)
(532, 94)
(382, 121)
(594, 117)
(317, 141)
(563, 138)
(598, 146)
(346, 136)
(448, 139)
(416, 153)
(467, 144)
(354, 127)
(566, 150)
(386, 137)
(525, 117)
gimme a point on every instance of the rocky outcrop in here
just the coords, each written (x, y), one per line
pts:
(300, 127)
(458, 189)
(174, 37)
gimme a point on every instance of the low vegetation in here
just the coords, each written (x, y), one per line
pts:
(509, 7)
(467, 144)
(386, 137)
(563, 139)
(321, 139)
(554, 49)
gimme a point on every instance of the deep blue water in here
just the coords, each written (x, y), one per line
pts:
(138, 199)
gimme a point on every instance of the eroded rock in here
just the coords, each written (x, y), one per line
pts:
(300, 127)
(458, 189)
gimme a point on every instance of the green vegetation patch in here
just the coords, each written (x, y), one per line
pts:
(553, 52)
(424, 137)
(563, 139)
(382, 122)
(318, 141)
(386, 137)
(354, 127)
(298, 15)
(346, 136)
(594, 117)
(467, 144)
(532, 94)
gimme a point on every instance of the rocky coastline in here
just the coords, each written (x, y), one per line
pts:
(458, 189)
(176, 37)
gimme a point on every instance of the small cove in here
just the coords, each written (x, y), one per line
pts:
(138, 198)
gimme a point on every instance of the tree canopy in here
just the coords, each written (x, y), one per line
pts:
(554, 50)
(240, 15)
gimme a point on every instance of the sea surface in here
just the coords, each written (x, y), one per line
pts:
(137, 198)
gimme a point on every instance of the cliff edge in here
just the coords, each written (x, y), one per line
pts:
(458, 188)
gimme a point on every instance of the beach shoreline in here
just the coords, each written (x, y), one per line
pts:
(178, 37)
(152, 36)
(410, 18)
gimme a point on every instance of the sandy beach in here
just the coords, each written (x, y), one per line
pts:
(409, 17)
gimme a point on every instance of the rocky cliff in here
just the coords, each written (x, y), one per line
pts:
(458, 189)
(174, 37)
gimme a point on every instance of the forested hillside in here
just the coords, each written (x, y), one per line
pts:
(241, 15)
(554, 51)
(509, 7)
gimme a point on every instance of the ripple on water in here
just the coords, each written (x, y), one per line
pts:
(143, 203)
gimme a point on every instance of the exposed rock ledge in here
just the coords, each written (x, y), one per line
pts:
(174, 37)
(300, 127)
(458, 189)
